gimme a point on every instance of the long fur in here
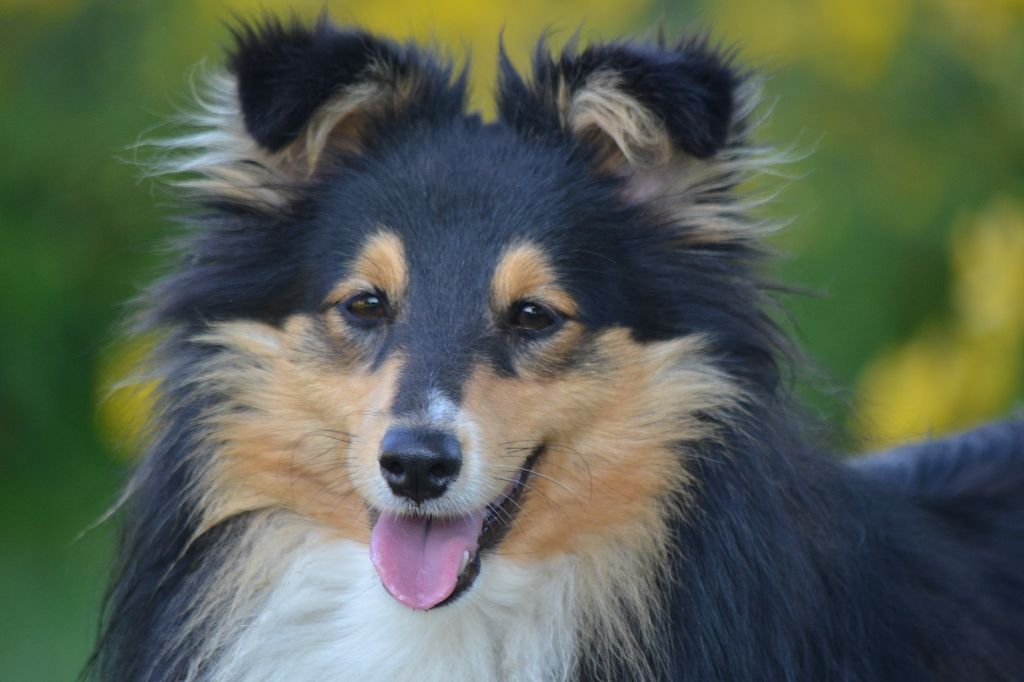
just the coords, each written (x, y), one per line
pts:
(680, 525)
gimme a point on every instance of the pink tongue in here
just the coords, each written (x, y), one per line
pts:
(418, 559)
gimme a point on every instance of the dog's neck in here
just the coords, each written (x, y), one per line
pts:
(323, 614)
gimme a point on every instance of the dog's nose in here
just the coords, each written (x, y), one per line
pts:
(419, 464)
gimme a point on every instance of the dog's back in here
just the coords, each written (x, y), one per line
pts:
(973, 484)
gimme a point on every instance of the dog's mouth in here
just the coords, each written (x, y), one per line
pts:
(430, 561)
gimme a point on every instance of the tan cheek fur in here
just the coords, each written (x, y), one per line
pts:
(282, 439)
(610, 462)
(603, 483)
(296, 432)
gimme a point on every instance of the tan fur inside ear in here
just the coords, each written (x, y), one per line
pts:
(603, 111)
(343, 123)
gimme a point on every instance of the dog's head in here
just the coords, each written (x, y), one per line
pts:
(452, 339)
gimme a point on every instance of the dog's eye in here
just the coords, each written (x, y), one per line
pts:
(532, 317)
(367, 307)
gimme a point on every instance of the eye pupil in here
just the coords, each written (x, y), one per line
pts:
(532, 317)
(367, 307)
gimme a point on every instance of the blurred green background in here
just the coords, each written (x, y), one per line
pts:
(908, 217)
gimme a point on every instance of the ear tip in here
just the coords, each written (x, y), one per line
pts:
(260, 31)
(261, 56)
(268, 41)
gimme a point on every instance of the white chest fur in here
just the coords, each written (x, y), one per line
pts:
(327, 617)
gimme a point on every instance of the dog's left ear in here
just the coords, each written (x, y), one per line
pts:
(635, 106)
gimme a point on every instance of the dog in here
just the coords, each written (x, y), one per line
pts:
(447, 399)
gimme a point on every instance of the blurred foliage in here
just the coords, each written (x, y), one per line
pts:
(978, 352)
(908, 219)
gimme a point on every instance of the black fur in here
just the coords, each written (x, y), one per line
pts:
(797, 567)
(978, 463)
(159, 572)
(793, 566)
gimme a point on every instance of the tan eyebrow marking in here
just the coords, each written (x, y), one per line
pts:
(380, 265)
(524, 272)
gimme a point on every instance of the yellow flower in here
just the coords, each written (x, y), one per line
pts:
(126, 397)
(936, 382)
(956, 374)
(988, 263)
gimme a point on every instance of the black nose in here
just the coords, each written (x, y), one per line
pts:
(418, 463)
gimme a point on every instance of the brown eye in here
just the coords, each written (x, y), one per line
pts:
(532, 317)
(367, 307)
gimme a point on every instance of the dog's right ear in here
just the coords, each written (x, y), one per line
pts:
(295, 94)
(294, 79)
(670, 120)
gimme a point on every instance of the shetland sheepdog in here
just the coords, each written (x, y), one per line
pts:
(447, 399)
